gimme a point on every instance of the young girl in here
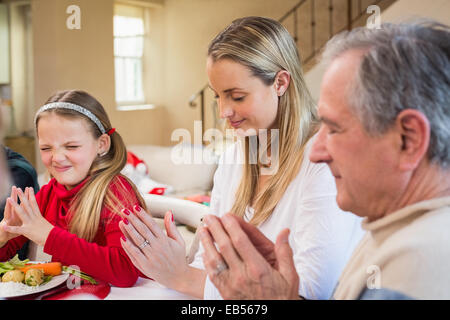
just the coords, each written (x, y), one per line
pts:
(74, 216)
(255, 71)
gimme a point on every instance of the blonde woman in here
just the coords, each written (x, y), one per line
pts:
(74, 217)
(254, 69)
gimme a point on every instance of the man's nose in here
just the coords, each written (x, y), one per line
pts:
(319, 152)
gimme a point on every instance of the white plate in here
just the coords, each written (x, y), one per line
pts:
(53, 283)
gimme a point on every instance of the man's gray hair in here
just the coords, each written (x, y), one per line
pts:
(405, 66)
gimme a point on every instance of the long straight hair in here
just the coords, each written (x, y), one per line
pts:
(87, 205)
(265, 47)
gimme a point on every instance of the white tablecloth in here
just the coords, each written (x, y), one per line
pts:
(146, 289)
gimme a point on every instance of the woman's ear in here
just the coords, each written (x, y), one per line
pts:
(104, 143)
(282, 80)
(414, 128)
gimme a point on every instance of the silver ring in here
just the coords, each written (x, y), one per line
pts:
(221, 266)
(144, 244)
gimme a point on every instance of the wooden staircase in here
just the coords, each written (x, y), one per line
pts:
(313, 22)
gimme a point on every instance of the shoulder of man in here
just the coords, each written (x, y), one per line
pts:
(415, 260)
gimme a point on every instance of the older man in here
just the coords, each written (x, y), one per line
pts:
(385, 135)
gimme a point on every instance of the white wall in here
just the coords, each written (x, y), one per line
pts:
(400, 11)
(189, 27)
(4, 45)
(404, 10)
(21, 67)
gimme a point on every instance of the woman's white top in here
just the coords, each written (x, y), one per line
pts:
(322, 236)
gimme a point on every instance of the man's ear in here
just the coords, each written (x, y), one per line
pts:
(104, 143)
(282, 80)
(414, 129)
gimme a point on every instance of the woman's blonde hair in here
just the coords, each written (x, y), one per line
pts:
(266, 48)
(87, 205)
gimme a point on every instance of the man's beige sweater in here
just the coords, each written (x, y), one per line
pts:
(403, 255)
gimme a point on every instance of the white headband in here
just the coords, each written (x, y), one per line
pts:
(70, 106)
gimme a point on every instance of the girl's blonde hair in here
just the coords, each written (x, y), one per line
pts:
(266, 47)
(87, 205)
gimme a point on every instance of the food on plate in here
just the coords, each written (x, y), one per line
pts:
(16, 270)
(34, 277)
(13, 276)
(49, 269)
(36, 274)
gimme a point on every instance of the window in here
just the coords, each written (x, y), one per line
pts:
(129, 43)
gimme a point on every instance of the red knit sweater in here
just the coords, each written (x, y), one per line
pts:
(104, 258)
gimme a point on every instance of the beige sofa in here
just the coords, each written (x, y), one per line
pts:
(188, 177)
(185, 178)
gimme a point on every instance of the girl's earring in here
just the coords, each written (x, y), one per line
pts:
(103, 154)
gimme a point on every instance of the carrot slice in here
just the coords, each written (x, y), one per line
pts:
(50, 269)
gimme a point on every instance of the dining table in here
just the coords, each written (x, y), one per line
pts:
(146, 289)
(143, 289)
